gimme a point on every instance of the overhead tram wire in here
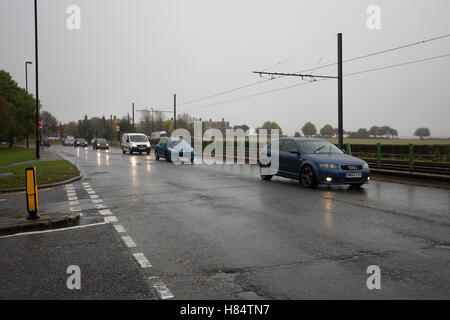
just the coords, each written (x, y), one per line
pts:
(378, 52)
(327, 39)
(257, 82)
(323, 79)
(314, 69)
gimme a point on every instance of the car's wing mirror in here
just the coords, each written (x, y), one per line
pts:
(296, 151)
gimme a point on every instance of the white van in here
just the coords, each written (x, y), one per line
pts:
(135, 142)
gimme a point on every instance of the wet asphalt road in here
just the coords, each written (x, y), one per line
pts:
(220, 232)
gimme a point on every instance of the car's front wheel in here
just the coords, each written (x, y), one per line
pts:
(266, 177)
(123, 150)
(308, 177)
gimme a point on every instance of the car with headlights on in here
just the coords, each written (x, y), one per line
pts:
(172, 148)
(100, 143)
(135, 142)
(313, 161)
(69, 141)
(80, 142)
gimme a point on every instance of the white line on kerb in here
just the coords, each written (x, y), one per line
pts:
(161, 289)
(105, 212)
(119, 228)
(128, 241)
(142, 260)
(53, 230)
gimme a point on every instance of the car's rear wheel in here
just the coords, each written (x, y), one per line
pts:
(308, 177)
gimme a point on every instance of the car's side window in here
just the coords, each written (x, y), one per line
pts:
(288, 145)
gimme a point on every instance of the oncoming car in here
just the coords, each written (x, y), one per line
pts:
(80, 142)
(135, 142)
(171, 148)
(314, 161)
(100, 143)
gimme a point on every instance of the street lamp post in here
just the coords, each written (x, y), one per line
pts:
(37, 76)
(26, 85)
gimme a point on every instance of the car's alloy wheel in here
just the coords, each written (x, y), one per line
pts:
(307, 177)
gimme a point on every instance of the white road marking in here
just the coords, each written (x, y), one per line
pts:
(128, 241)
(119, 228)
(91, 192)
(97, 200)
(161, 289)
(75, 209)
(94, 196)
(53, 230)
(71, 194)
(100, 206)
(110, 219)
(86, 184)
(105, 212)
(142, 260)
(72, 198)
(74, 203)
(81, 214)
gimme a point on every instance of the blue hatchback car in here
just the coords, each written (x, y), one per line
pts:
(314, 161)
(172, 148)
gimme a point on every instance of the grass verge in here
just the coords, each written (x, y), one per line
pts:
(15, 154)
(46, 172)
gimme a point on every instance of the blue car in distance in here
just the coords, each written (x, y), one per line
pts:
(172, 148)
(314, 161)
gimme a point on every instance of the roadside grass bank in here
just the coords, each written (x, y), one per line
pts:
(15, 154)
(46, 172)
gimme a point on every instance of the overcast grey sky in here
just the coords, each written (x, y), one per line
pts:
(146, 50)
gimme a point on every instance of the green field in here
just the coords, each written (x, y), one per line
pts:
(15, 154)
(393, 141)
(46, 172)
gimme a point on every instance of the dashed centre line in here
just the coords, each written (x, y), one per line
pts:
(142, 260)
(159, 286)
(163, 292)
(129, 242)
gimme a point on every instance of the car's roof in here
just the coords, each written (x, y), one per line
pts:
(303, 139)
